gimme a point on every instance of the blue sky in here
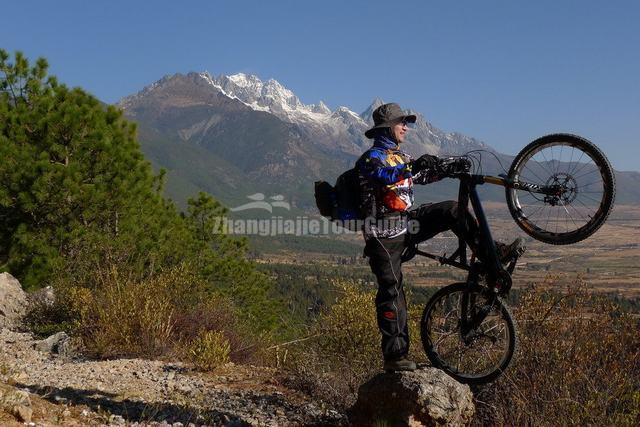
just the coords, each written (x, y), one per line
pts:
(505, 72)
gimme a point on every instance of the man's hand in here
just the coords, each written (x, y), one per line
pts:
(454, 165)
(424, 162)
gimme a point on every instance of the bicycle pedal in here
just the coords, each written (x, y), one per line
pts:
(518, 247)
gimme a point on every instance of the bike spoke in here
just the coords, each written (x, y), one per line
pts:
(484, 347)
(572, 171)
(592, 183)
(585, 174)
(589, 197)
(547, 161)
(540, 180)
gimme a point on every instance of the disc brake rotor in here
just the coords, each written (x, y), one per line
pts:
(566, 189)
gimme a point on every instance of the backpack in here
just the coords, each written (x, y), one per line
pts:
(341, 202)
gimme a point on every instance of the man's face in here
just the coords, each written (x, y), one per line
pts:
(399, 130)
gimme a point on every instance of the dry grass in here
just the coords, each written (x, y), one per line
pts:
(169, 315)
(209, 350)
(579, 364)
(343, 348)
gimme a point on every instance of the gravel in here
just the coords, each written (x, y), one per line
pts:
(158, 393)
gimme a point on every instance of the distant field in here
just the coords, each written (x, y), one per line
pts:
(609, 261)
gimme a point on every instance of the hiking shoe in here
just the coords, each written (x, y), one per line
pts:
(508, 252)
(403, 364)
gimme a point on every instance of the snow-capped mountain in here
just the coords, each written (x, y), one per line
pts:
(224, 133)
(272, 97)
(341, 129)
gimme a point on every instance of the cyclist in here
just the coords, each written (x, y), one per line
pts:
(388, 175)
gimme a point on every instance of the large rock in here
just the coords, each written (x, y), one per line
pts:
(16, 402)
(13, 301)
(425, 397)
(56, 344)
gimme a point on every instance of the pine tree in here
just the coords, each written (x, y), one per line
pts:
(70, 166)
(76, 195)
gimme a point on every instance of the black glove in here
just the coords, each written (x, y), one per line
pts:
(454, 165)
(424, 162)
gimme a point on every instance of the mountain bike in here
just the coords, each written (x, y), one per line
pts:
(560, 190)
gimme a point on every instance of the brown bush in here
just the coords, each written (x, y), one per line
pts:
(46, 316)
(130, 318)
(217, 314)
(163, 315)
(343, 347)
(578, 364)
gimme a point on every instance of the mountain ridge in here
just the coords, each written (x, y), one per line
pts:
(262, 137)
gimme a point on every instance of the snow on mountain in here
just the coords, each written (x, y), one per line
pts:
(273, 97)
(341, 130)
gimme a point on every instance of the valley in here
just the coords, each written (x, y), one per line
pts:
(608, 261)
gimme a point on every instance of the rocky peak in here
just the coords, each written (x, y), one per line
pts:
(321, 108)
(367, 114)
(127, 101)
(347, 116)
(266, 96)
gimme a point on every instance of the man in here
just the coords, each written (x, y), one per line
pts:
(388, 175)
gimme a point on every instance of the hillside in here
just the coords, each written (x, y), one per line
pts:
(234, 136)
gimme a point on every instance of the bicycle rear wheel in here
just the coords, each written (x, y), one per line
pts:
(475, 351)
(585, 189)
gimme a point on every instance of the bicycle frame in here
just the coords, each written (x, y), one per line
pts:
(499, 277)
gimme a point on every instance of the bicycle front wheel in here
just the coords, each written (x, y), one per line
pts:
(469, 333)
(584, 183)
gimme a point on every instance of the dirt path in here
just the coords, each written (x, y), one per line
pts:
(144, 392)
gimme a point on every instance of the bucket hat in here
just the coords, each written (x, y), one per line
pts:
(386, 116)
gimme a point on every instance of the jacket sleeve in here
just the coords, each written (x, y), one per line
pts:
(372, 167)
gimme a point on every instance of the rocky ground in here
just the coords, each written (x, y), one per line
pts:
(46, 383)
(43, 383)
(67, 391)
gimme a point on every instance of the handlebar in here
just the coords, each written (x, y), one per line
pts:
(460, 166)
(454, 166)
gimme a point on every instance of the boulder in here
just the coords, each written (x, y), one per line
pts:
(16, 402)
(425, 397)
(55, 344)
(13, 301)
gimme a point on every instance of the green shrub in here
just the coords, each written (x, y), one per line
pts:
(209, 350)
(65, 312)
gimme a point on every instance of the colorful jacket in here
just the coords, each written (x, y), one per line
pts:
(385, 168)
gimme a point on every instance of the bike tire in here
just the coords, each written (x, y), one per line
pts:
(480, 366)
(588, 189)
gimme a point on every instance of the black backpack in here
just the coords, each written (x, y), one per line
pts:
(342, 202)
